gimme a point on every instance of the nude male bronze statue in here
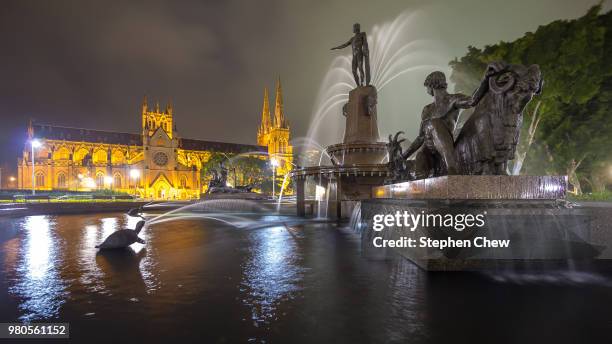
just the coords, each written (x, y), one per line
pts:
(361, 56)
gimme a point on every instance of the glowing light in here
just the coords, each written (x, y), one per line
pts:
(39, 283)
(108, 180)
(274, 162)
(35, 143)
(88, 182)
(80, 176)
(12, 178)
(39, 244)
(134, 173)
(550, 187)
(319, 192)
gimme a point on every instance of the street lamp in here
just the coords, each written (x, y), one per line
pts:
(274, 164)
(108, 180)
(35, 144)
(134, 174)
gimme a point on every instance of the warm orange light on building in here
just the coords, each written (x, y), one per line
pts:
(155, 164)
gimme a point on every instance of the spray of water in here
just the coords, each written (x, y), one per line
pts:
(395, 53)
(280, 196)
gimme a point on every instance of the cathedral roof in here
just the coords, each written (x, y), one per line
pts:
(54, 132)
(191, 144)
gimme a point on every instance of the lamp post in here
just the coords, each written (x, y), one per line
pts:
(108, 180)
(274, 164)
(134, 174)
(35, 144)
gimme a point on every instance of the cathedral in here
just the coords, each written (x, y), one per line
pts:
(274, 133)
(154, 164)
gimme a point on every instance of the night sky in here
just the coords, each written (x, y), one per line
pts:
(88, 64)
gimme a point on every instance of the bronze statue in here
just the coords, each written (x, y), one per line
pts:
(219, 177)
(487, 140)
(438, 119)
(361, 56)
(218, 182)
(397, 162)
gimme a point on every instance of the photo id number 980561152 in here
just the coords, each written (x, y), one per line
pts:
(34, 330)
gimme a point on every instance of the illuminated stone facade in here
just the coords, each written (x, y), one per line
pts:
(155, 164)
(274, 132)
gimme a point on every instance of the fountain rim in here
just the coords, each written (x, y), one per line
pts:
(364, 170)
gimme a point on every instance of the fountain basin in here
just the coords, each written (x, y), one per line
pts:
(343, 187)
(353, 154)
(477, 187)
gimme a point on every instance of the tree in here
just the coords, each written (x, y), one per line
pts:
(574, 125)
(242, 170)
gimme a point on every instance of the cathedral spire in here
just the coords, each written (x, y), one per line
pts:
(144, 104)
(279, 116)
(265, 112)
(169, 108)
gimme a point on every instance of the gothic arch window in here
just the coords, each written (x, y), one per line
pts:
(40, 179)
(183, 182)
(100, 156)
(100, 180)
(61, 180)
(80, 154)
(117, 157)
(61, 153)
(117, 181)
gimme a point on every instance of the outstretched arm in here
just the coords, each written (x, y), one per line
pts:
(343, 45)
(465, 102)
(416, 144)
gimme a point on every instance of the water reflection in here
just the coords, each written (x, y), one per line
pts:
(91, 276)
(406, 298)
(272, 274)
(38, 281)
(147, 262)
(298, 283)
(121, 269)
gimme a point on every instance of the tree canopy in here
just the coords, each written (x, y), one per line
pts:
(575, 127)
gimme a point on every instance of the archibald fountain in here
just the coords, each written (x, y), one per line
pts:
(443, 175)
(358, 162)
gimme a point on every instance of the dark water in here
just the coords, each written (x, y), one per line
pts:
(201, 281)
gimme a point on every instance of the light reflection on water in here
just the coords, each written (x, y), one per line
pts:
(272, 273)
(52, 258)
(91, 278)
(38, 281)
(307, 282)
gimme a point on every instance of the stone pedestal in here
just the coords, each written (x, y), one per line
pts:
(361, 120)
(300, 197)
(360, 145)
